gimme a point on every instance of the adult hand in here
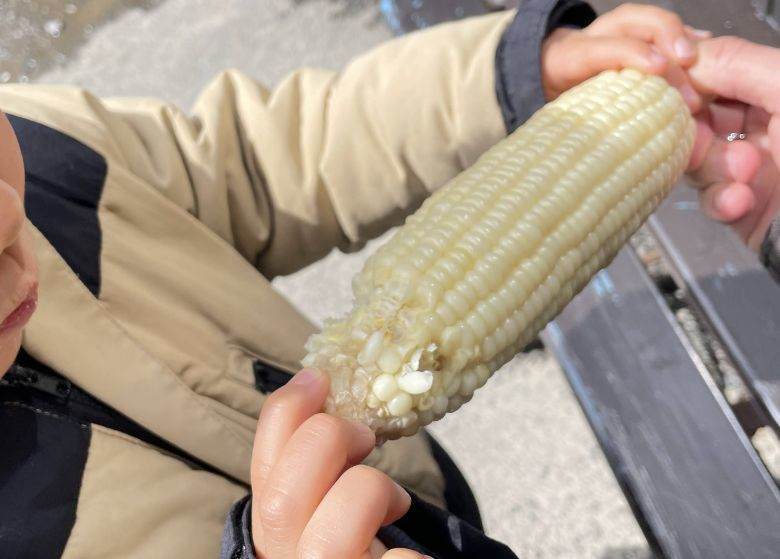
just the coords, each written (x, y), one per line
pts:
(738, 180)
(310, 496)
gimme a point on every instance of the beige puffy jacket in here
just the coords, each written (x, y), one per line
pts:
(157, 249)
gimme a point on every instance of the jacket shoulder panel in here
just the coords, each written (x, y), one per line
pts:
(64, 182)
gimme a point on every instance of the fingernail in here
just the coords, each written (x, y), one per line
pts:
(701, 33)
(306, 377)
(683, 49)
(403, 493)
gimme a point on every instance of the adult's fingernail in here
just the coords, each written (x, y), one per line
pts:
(306, 377)
(683, 49)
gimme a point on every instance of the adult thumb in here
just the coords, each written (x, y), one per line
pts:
(734, 68)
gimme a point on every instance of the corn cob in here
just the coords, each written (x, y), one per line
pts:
(493, 256)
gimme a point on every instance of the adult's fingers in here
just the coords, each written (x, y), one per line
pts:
(678, 79)
(727, 116)
(737, 69)
(369, 499)
(311, 462)
(726, 161)
(283, 412)
(727, 202)
(650, 24)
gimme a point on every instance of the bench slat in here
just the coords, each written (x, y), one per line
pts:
(736, 295)
(671, 438)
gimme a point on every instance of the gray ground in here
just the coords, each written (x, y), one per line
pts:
(542, 481)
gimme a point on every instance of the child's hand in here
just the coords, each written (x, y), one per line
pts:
(310, 498)
(647, 38)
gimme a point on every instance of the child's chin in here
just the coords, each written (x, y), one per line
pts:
(9, 347)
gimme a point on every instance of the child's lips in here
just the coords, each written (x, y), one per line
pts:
(19, 317)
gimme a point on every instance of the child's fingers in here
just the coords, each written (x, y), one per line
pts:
(677, 78)
(571, 58)
(612, 53)
(650, 24)
(343, 526)
(697, 34)
(311, 462)
(283, 412)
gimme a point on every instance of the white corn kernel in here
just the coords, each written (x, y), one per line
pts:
(384, 387)
(415, 382)
(468, 384)
(401, 404)
(389, 361)
(440, 405)
(371, 349)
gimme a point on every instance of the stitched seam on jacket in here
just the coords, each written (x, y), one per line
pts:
(19, 404)
(191, 394)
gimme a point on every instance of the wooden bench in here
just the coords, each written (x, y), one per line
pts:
(681, 452)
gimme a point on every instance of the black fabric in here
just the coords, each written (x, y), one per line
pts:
(457, 493)
(425, 528)
(63, 186)
(268, 378)
(236, 538)
(770, 249)
(518, 56)
(442, 535)
(42, 458)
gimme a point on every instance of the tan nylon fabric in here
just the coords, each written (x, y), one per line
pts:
(137, 503)
(198, 212)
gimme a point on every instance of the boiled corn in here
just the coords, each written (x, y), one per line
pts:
(493, 256)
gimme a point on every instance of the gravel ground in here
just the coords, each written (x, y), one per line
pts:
(542, 481)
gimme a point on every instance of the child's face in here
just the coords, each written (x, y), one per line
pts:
(18, 270)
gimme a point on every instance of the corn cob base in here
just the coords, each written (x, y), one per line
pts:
(493, 256)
